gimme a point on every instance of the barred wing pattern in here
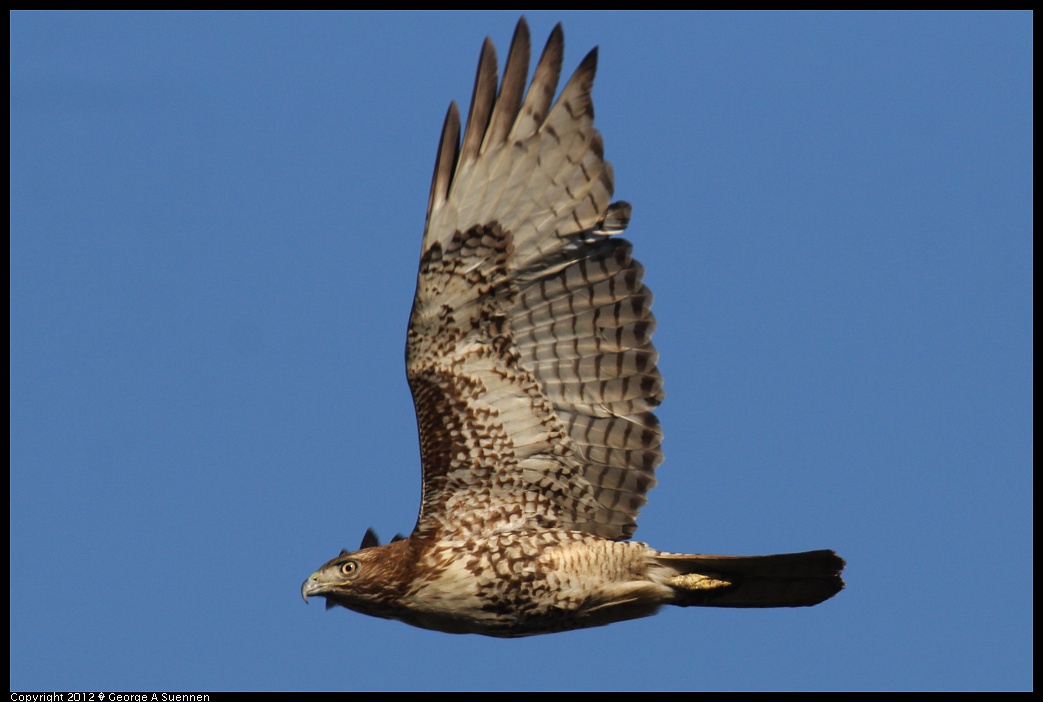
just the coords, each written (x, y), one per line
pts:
(528, 352)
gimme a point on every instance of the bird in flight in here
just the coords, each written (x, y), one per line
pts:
(534, 378)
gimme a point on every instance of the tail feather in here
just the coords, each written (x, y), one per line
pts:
(780, 580)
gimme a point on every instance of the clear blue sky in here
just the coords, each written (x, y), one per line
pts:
(215, 228)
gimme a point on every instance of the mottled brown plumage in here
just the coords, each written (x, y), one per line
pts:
(534, 378)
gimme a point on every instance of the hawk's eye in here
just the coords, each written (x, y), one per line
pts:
(349, 568)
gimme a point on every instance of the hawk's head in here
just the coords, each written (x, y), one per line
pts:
(367, 580)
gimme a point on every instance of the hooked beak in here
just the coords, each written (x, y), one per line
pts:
(312, 586)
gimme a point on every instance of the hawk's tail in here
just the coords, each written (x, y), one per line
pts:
(781, 580)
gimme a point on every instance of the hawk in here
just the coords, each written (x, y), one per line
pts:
(534, 378)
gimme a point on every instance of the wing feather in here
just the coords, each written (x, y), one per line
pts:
(445, 161)
(482, 101)
(512, 90)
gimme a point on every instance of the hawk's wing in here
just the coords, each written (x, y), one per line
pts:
(529, 352)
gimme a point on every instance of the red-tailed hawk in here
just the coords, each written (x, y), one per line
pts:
(534, 377)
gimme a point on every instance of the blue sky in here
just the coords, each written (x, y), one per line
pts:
(215, 228)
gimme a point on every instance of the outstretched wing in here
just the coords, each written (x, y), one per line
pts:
(529, 350)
